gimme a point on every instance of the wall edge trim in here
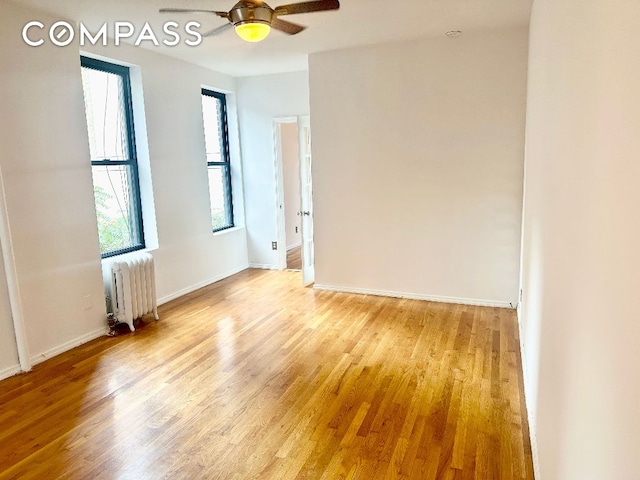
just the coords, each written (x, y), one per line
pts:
(264, 266)
(415, 296)
(76, 342)
(533, 438)
(10, 371)
(199, 285)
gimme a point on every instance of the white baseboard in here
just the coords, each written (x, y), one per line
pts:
(295, 245)
(264, 266)
(204, 283)
(533, 439)
(416, 296)
(9, 372)
(41, 357)
(87, 337)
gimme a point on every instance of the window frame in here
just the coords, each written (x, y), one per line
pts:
(223, 124)
(132, 162)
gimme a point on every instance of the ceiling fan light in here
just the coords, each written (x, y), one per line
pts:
(253, 31)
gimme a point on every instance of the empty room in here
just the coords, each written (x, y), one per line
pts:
(327, 239)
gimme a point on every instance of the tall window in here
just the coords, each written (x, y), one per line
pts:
(107, 101)
(216, 136)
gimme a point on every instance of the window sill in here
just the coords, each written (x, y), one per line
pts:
(153, 249)
(123, 255)
(227, 230)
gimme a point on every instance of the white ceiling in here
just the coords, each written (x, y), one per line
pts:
(358, 22)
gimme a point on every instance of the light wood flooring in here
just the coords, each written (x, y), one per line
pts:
(294, 258)
(256, 377)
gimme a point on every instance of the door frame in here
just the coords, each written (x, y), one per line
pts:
(15, 301)
(281, 232)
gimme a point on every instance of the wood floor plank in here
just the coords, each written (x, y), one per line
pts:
(256, 377)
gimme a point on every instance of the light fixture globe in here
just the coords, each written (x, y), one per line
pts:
(253, 31)
(253, 19)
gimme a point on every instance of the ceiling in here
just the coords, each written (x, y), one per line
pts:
(358, 22)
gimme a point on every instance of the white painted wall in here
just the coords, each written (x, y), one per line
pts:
(260, 100)
(581, 259)
(291, 183)
(44, 157)
(417, 170)
(189, 255)
(48, 188)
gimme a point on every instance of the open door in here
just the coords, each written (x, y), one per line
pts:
(306, 200)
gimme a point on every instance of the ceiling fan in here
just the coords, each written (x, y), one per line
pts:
(253, 19)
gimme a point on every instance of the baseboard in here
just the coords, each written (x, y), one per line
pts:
(533, 439)
(264, 266)
(41, 357)
(416, 296)
(295, 245)
(87, 337)
(204, 283)
(9, 372)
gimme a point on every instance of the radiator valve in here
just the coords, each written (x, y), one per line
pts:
(112, 321)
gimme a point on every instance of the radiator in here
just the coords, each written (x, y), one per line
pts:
(131, 285)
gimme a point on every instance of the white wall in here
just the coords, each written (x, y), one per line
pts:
(44, 158)
(189, 255)
(48, 187)
(417, 170)
(581, 236)
(260, 100)
(291, 183)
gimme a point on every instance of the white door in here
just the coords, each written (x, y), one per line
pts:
(306, 201)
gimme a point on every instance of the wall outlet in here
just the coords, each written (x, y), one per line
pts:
(296, 229)
(274, 245)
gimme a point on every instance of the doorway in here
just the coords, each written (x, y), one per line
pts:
(293, 195)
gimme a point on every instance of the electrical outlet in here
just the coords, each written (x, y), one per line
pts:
(274, 245)
(296, 229)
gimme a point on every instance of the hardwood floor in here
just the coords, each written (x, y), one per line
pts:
(256, 377)
(294, 258)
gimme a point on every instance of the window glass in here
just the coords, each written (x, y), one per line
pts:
(216, 137)
(107, 98)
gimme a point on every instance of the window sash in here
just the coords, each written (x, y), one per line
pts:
(116, 210)
(223, 133)
(226, 194)
(136, 222)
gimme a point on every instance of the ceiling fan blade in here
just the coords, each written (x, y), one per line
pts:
(307, 7)
(286, 27)
(189, 10)
(218, 30)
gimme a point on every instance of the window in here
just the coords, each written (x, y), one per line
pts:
(216, 137)
(107, 101)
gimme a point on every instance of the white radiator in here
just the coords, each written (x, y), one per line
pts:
(131, 285)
